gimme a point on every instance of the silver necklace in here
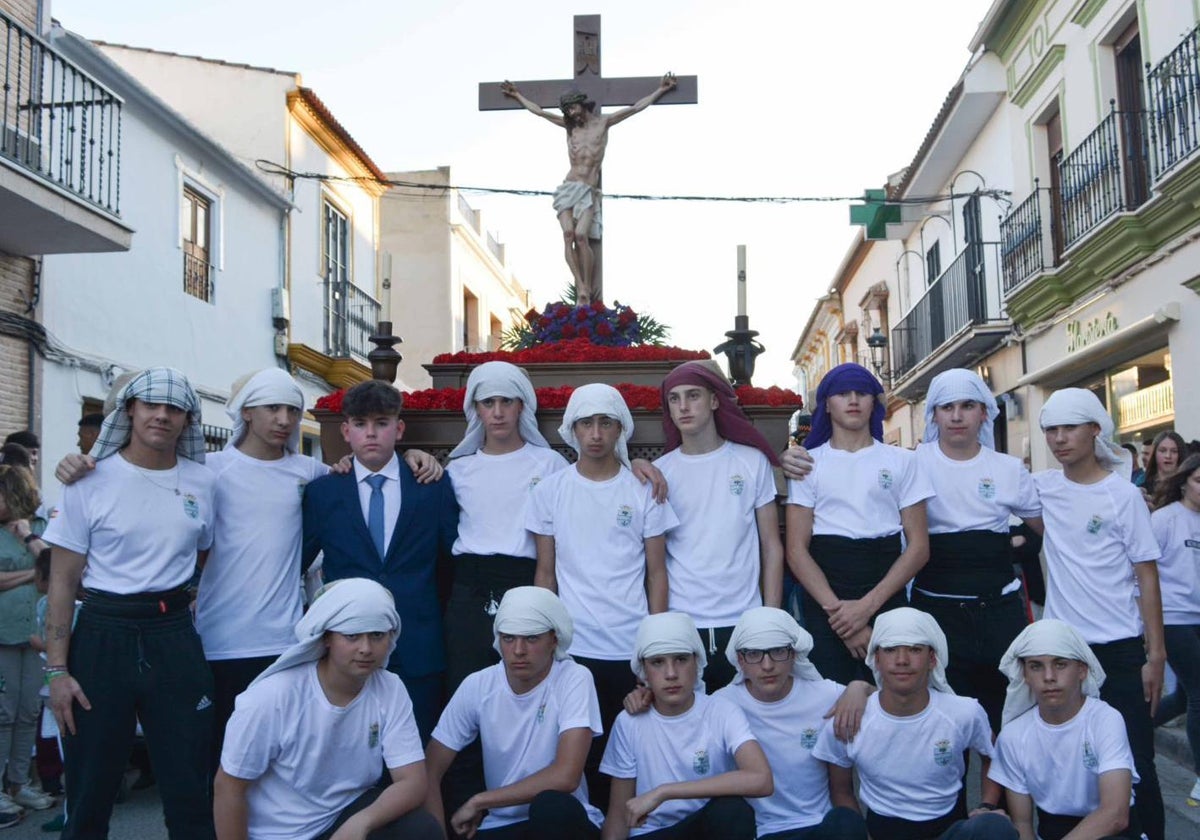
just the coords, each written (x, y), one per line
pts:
(146, 475)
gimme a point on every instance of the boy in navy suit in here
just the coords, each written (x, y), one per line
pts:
(377, 522)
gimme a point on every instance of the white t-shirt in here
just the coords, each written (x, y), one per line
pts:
(787, 730)
(1059, 766)
(308, 758)
(657, 750)
(599, 530)
(860, 494)
(1094, 535)
(250, 599)
(713, 560)
(493, 491)
(139, 529)
(979, 494)
(520, 732)
(1177, 530)
(911, 767)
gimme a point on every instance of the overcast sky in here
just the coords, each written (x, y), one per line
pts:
(795, 99)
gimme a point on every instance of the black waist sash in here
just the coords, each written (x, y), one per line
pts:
(854, 567)
(975, 563)
(137, 605)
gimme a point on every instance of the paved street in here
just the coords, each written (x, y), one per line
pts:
(141, 817)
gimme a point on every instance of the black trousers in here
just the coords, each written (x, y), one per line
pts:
(479, 584)
(417, 824)
(978, 632)
(553, 815)
(139, 658)
(718, 673)
(1122, 662)
(839, 824)
(614, 680)
(723, 818)
(230, 678)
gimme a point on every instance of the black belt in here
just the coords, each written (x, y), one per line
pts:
(137, 604)
(969, 563)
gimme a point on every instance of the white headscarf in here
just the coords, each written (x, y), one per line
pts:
(590, 400)
(664, 633)
(1048, 637)
(498, 379)
(764, 628)
(1076, 406)
(906, 626)
(267, 387)
(955, 385)
(350, 605)
(530, 611)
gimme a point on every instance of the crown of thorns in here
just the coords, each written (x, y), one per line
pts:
(575, 97)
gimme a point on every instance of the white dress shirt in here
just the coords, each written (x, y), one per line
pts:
(391, 495)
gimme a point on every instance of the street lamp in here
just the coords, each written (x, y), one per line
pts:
(877, 343)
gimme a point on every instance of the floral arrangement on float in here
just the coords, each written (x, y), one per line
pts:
(637, 397)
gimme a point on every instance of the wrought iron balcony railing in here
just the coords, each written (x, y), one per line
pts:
(1174, 87)
(351, 316)
(1023, 239)
(961, 297)
(1107, 173)
(197, 277)
(58, 122)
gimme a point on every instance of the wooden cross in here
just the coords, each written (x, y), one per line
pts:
(588, 79)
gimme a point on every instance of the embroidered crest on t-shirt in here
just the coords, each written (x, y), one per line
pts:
(190, 506)
(533, 482)
(1090, 761)
(1095, 524)
(624, 516)
(987, 489)
(1191, 544)
(700, 762)
(373, 736)
(300, 485)
(808, 738)
(941, 753)
(737, 485)
(541, 713)
(885, 479)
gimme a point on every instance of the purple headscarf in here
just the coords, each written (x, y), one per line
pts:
(732, 423)
(843, 378)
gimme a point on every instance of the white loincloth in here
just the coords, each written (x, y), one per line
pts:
(579, 197)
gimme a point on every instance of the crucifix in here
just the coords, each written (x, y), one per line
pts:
(578, 200)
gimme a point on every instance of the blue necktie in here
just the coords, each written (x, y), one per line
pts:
(375, 512)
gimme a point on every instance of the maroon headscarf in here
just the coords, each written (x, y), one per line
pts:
(732, 423)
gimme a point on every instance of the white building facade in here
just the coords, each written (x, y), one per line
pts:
(193, 292)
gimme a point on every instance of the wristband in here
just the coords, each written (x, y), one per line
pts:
(31, 538)
(52, 675)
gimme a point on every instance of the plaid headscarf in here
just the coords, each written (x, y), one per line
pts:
(160, 385)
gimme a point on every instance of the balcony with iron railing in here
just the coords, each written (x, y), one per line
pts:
(1026, 244)
(198, 277)
(1174, 95)
(60, 136)
(959, 318)
(351, 317)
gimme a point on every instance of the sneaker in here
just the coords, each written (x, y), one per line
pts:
(1195, 794)
(33, 799)
(9, 819)
(7, 805)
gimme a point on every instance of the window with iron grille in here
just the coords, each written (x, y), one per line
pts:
(335, 261)
(195, 212)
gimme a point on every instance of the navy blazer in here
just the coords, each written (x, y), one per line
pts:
(424, 534)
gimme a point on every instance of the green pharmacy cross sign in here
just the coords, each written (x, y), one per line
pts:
(876, 214)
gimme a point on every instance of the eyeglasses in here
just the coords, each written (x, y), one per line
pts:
(779, 654)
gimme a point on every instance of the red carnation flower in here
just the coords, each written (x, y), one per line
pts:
(604, 329)
(584, 332)
(568, 331)
(581, 315)
(561, 311)
(598, 306)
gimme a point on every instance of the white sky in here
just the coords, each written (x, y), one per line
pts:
(795, 98)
